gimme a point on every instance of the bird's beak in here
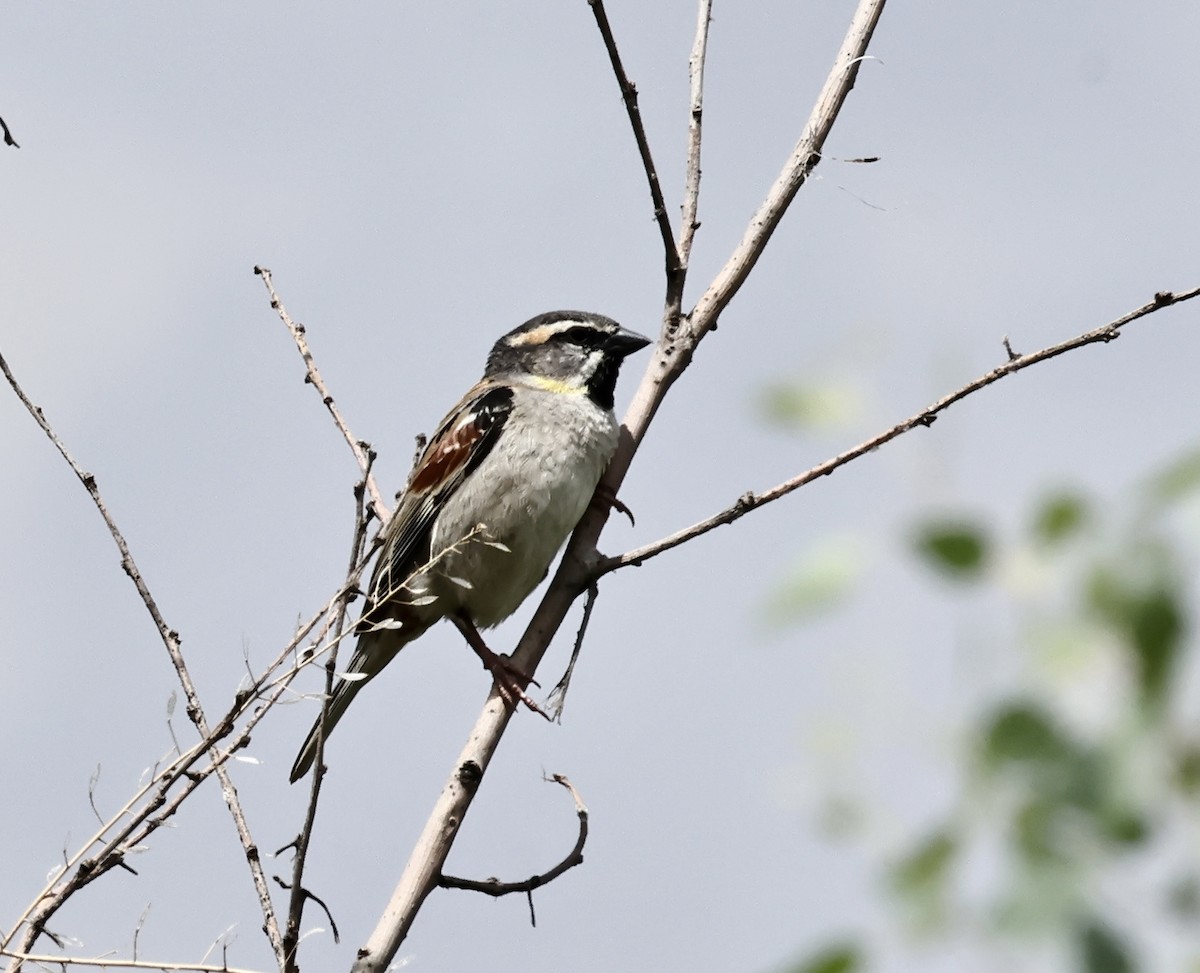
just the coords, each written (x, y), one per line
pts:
(624, 342)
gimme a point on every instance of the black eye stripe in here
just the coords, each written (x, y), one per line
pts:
(580, 335)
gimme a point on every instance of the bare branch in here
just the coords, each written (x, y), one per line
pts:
(752, 501)
(691, 192)
(629, 93)
(803, 160)
(112, 963)
(360, 449)
(496, 888)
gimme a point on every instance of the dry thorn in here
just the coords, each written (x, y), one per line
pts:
(8, 139)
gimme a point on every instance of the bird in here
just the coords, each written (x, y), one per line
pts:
(492, 498)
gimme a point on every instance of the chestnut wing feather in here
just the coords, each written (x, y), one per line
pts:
(460, 444)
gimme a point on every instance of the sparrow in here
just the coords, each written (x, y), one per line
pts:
(492, 497)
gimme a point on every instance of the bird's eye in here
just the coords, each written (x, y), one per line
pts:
(580, 335)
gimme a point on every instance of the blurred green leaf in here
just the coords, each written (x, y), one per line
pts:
(1176, 481)
(1038, 831)
(827, 573)
(840, 958)
(1125, 827)
(1150, 616)
(1102, 951)
(1107, 595)
(1058, 517)
(926, 868)
(1065, 777)
(956, 549)
(1187, 768)
(1156, 626)
(815, 406)
(1022, 731)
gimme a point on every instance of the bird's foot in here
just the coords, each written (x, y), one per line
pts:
(510, 680)
(606, 495)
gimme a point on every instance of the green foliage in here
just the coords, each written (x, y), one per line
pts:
(818, 583)
(1020, 731)
(1088, 762)
(1150, 616)
(1101, 950)
(921, 879)
(812, 406)
(839, 958)
(956, 549)
(1059, 517)
(1069, 798)
(1176, 482)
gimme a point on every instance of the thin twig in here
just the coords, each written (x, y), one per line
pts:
(171, 641)
(926, 417)
(497, 888)
(299, 894)
(304, 895)
(359, 448)
(802, 161)
(121, 964)
(558, 695)
(629, 94)
(138, 823)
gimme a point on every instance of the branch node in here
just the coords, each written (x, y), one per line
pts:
(470, 774)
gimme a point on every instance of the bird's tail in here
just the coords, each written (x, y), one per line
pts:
(370, 656)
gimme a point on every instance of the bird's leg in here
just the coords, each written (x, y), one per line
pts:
(510, 680)
(606, 495)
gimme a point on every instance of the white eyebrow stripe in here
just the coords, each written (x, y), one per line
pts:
(543, 333)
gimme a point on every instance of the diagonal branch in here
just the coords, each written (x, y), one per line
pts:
(803, 160)
(358, 447)
(926, 417)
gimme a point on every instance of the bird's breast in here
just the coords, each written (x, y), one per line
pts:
(498, 535)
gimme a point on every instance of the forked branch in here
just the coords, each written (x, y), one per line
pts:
(802, 161)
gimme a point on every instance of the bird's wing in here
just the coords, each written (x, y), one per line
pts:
(460, 444)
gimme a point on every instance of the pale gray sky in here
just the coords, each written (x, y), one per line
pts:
(423, 177)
